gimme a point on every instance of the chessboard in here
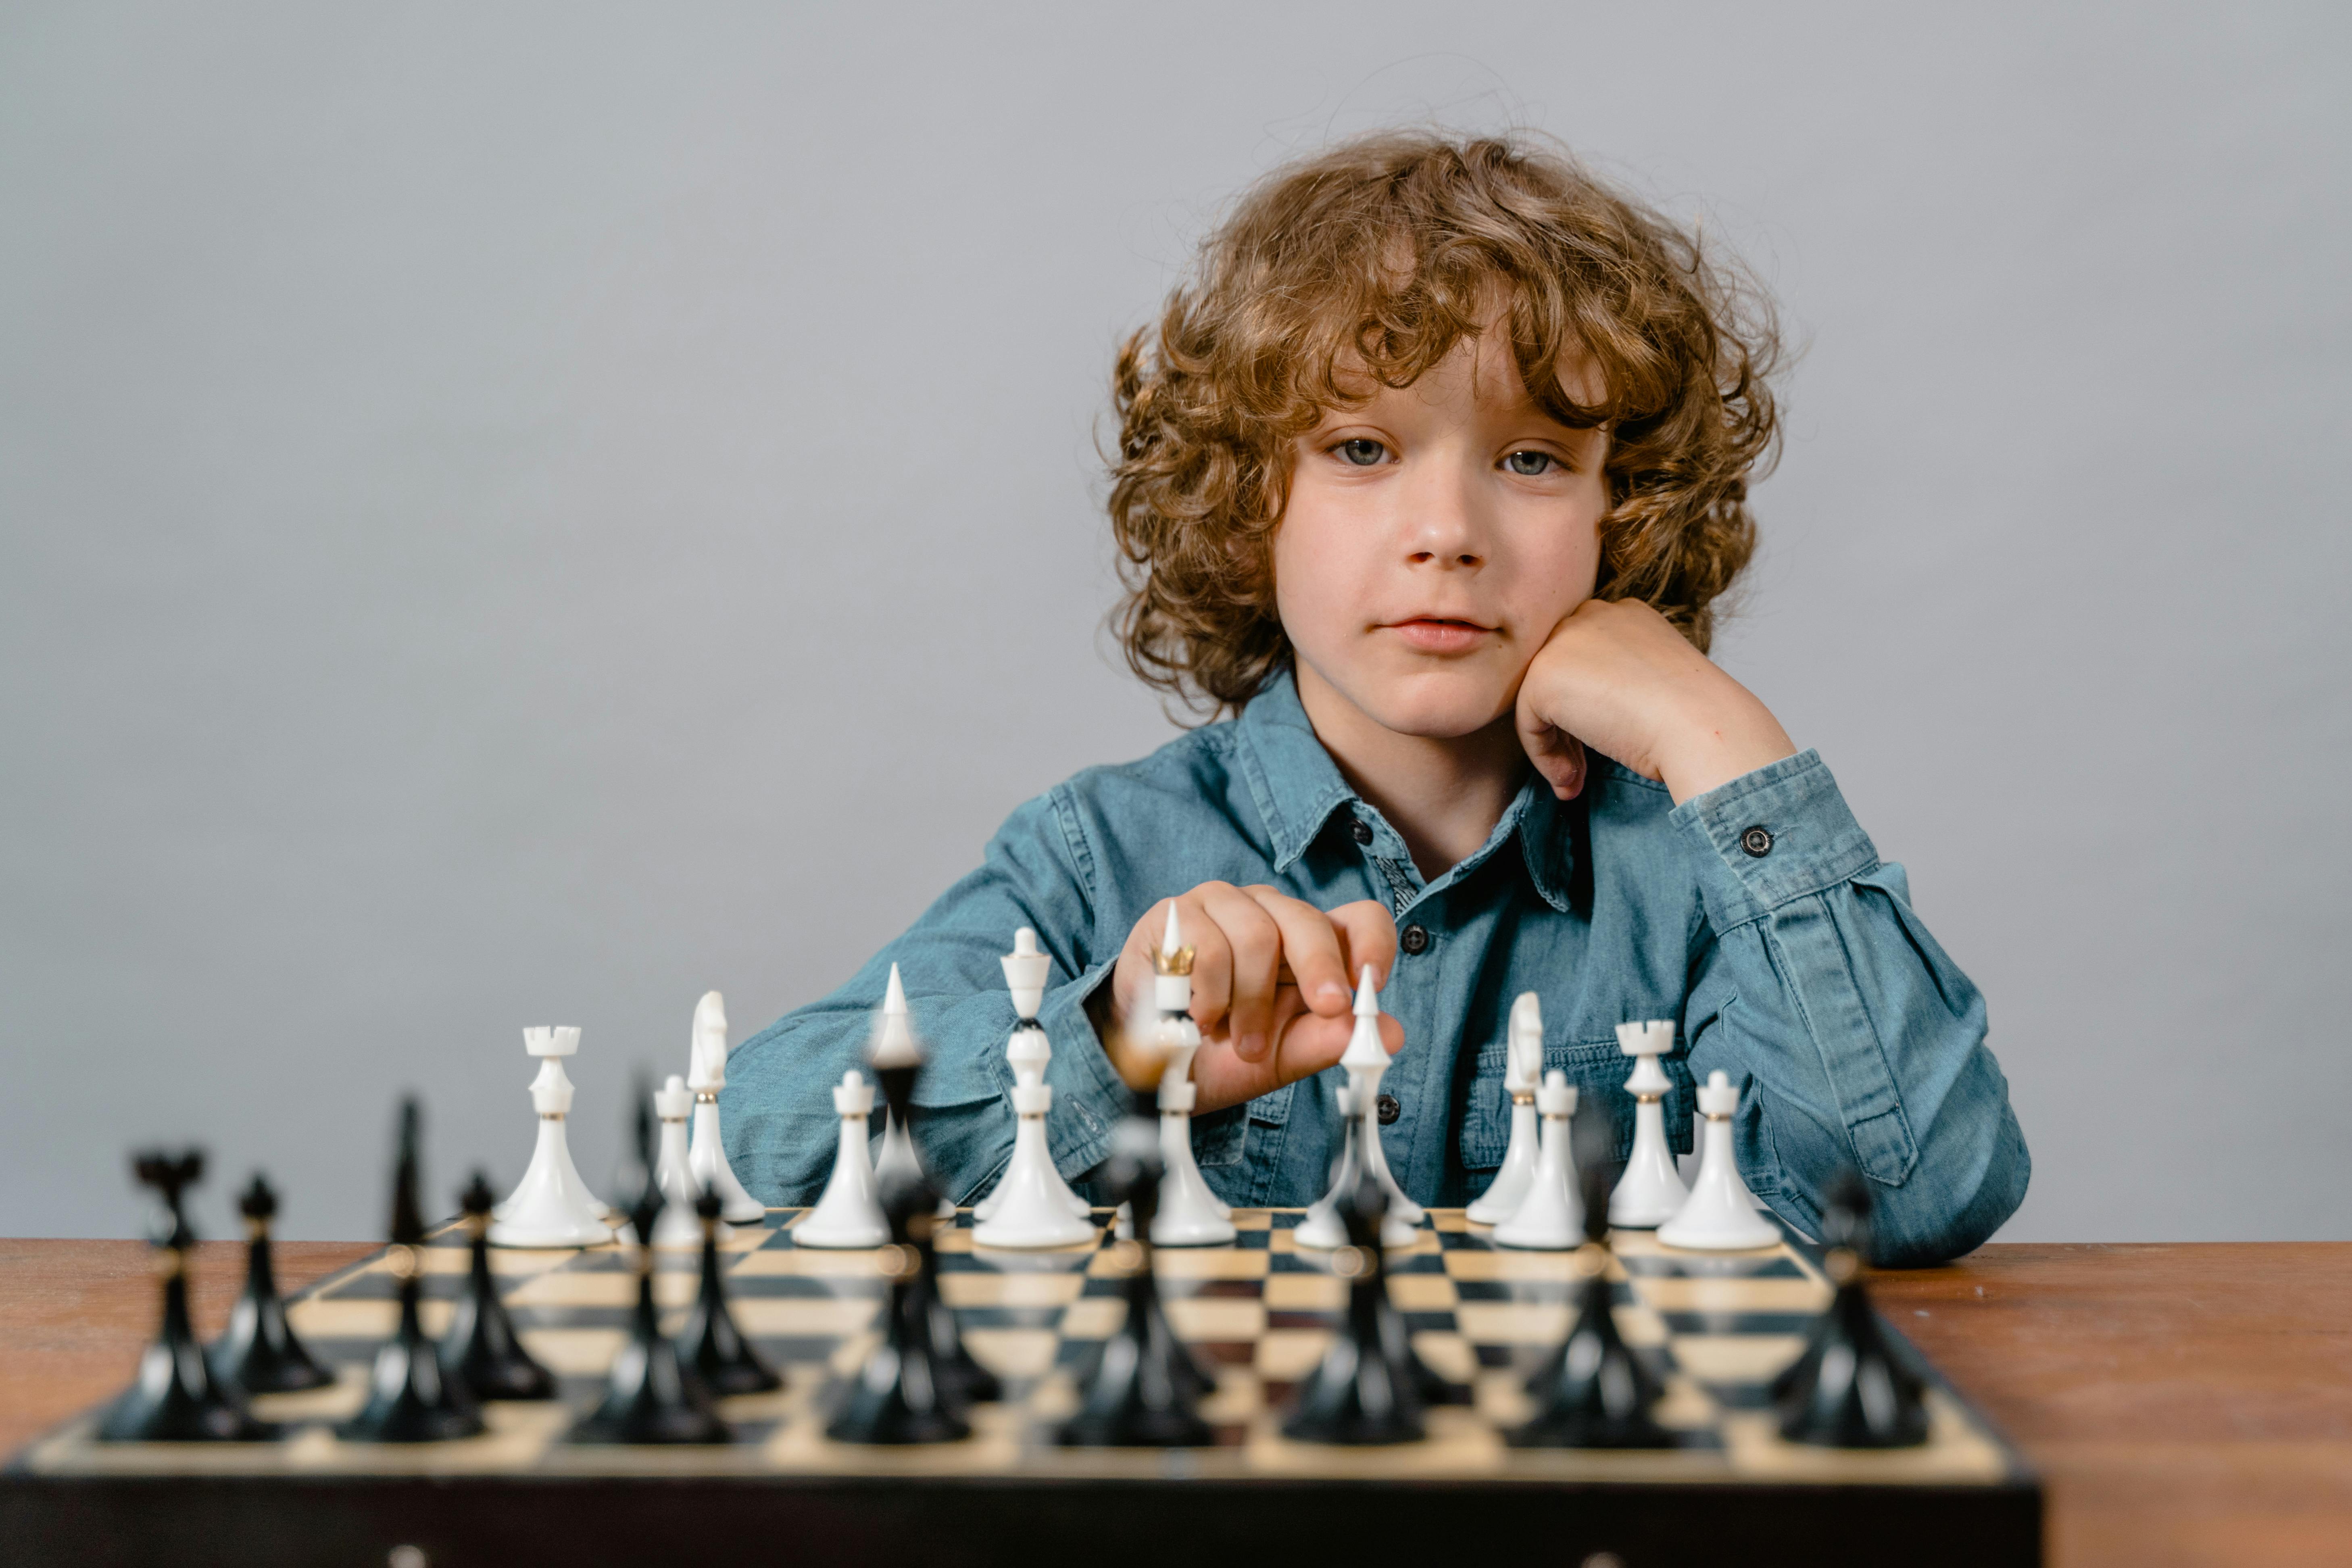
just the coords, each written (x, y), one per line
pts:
(1715, 1326)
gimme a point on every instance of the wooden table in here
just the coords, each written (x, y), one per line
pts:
(2186, 1403)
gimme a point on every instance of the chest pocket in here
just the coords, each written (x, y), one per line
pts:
(1598, 1069)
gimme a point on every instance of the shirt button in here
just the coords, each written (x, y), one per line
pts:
(1388, 1110)
(1757, 840)
(1413, 938)
(1361, 831)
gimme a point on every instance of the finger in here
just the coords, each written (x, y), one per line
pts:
(1255, 942)
(1558, 755)
(1211, 957)
(1367, 933)
(1311, 946)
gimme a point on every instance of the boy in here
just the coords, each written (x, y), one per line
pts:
(1428, 478)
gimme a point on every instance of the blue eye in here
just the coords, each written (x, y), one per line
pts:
(1362, 453)
(1530, 464)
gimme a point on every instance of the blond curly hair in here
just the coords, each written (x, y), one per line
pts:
(1378, 257)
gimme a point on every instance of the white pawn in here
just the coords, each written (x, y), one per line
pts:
(1522, 1071)
(1552, 1218)
(1029, 1053)
(550, 1206)
(679, 1226)
(1365, 1059)
(1721, 1215)
(705, 1074)
(849, 1214)
(1190, 1214)
(1651, 1191)
(1032, 1206)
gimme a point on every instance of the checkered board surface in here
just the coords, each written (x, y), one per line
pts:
(1717, 1327)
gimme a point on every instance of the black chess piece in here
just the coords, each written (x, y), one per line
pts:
(1850, 1388)
(1364, 1391)
(412, 1398)
(651, 1395)
(176, 1398)
(483, 1350)
(259, 1353)
(899, 1397)
(1593, 1392)
(713, 1348)
(1142, 1389)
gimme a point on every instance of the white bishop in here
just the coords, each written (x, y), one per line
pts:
(1366, 1058)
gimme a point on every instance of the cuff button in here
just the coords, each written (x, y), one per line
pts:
(1757, 840)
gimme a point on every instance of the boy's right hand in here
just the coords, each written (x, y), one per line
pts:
(1273, 986)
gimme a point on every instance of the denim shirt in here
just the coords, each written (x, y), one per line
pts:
(1791, 959)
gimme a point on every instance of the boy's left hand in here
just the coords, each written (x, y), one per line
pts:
(1616, 676)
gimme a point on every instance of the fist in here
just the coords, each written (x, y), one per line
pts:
(1616, 676)
(1273, 986)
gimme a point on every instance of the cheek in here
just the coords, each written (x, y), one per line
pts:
(1317, 568)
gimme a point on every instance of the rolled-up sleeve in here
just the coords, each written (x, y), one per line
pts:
(777, 1109)
(1857, 1040)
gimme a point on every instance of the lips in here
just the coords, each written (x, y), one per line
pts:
(1437, 634)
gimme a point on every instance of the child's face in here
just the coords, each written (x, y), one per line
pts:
(1434, 536)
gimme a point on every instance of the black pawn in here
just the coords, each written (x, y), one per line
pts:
(482, 1349)
(1143, 1387)
(899, 1396)
(1593, 1392)
(259, 1353)
(1363, 1392)
(410, 1396)
(713, 1348)
(175, 1398)
(1850, 1389)
(651, 1395)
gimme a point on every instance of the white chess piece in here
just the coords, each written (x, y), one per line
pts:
(705, 1076)
(550, 1206)
(1032, 1206)
(679, 1226)
(1365, 1059)
(1651, 1191)
(893, 1045)
(1029, 1053)
(849, 1214)
(1376, 1157)
(1522, 1071)
(1551, 1217)
(1190, 1214)
(1721, 1215)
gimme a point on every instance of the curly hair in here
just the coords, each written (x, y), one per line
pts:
(1377, 257)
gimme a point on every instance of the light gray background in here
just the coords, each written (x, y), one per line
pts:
(523, 514)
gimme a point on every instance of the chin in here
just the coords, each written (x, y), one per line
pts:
(1441, 705)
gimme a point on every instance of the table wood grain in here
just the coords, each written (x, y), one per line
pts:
(2187, 1404)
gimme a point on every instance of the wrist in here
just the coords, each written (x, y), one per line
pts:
(1720, 745)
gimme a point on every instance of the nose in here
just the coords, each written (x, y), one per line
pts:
(1446, 526)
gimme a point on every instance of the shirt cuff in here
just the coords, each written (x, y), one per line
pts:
(1780, 833)
(1089, 1096)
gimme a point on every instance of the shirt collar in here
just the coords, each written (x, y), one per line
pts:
(1297, 788)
